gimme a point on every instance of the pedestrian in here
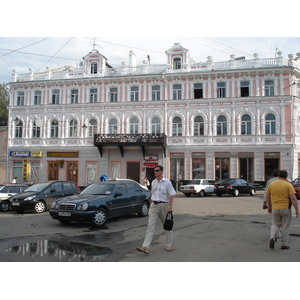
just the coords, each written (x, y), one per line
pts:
(162, 195)
(281, 196)
(273, 178)
(14, 180)
(146, 182)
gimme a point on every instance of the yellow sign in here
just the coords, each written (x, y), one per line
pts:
(62, 154)
(36, 153)
(25, 167)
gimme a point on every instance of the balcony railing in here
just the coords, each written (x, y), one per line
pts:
(122, 140)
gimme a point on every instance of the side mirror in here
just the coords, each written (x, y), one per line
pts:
(118, 194)
(52, 191)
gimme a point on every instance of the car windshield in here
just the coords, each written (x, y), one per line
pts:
(99, 189)
(38, 187)
(295, 182)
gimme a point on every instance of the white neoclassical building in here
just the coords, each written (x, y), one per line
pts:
(236, 118)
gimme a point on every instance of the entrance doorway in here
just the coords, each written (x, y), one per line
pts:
(72, 171)
(246, 169)
(134, 171)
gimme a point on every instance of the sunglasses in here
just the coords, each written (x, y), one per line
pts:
(156, 170)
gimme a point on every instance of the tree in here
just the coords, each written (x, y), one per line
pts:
(4, 101)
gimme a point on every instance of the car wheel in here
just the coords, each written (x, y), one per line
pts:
(40, 207)
(252, 192)
(201, 193)
(100, 217)
(4, 206)
(144, 209)
(188, 195)
(236, 192)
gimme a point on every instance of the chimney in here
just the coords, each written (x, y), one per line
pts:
(132, 59)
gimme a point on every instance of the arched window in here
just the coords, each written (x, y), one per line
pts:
(199, 126)
(73, 130)
(177, 63)
(36, 131)
(155, 125)
(19, 129)
(134, 125)
(54, 129)
(177, 127)
(221, 125)
(246, 127)
(92, 127)
(270, 124)
(113, 126)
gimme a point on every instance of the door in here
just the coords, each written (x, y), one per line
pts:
(133, 170)
(72, 171)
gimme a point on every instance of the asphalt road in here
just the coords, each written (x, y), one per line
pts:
(208, 229)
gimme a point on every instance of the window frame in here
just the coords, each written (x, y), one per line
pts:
(222, 126)
(177, 91)
(269, 88)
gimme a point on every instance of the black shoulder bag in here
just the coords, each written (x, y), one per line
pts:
(168, 225)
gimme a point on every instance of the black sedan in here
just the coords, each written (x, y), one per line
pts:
(234, 186)
(101, 201)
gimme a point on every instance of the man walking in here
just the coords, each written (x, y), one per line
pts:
(161, 203)
(280, 196)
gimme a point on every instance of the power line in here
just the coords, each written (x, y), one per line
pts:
(17, 50)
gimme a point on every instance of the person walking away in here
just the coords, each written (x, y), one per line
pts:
(274, 177)
(14, 180)
(280, 197)
(162, 196)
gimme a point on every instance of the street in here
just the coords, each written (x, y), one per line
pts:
(207, 229)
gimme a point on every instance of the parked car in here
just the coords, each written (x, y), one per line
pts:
(40, 196)
(7, 190)
(296, 185)
(101, 201)
(234, 186)
(201, 187)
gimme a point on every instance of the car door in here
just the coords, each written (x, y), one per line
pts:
(136, 196)
(118, 203)
(52, 192)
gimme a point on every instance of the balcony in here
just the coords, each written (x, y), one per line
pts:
(122, 140)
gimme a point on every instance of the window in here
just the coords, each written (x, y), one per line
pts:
(134, 93)
(134, 126)
(36, 131)
(270, 124)
(221, 125)
(54, 129)
(198, 91)
(55, 97)
(113, 126)
(245, 89)
(94, 68)
(156, 93)
(92, 127)
(177, 63)
(93, 95)
(221, 89)
(73, 130)
(113, 94)
(20, 98)
(198, 126)
(19, 129)
(74, 96)
(177, 127)
(269, 88)
(177, 92)
(37, 98)
(246, 125)
(155, 125)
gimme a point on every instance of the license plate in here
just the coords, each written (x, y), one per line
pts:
(64, 214)
(221, 186)
(15, 204)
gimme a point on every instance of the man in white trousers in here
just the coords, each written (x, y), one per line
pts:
(161, 203)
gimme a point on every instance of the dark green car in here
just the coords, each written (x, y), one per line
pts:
(101, 201)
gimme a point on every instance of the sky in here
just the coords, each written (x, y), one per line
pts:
(22, 53)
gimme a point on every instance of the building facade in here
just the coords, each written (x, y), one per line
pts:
(237, 118)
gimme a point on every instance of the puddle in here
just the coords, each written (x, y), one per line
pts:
(61, 251)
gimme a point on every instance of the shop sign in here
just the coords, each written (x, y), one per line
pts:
(62, 154)
(25, 166)
(19, 153)
(36, 153)
(151, 161)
